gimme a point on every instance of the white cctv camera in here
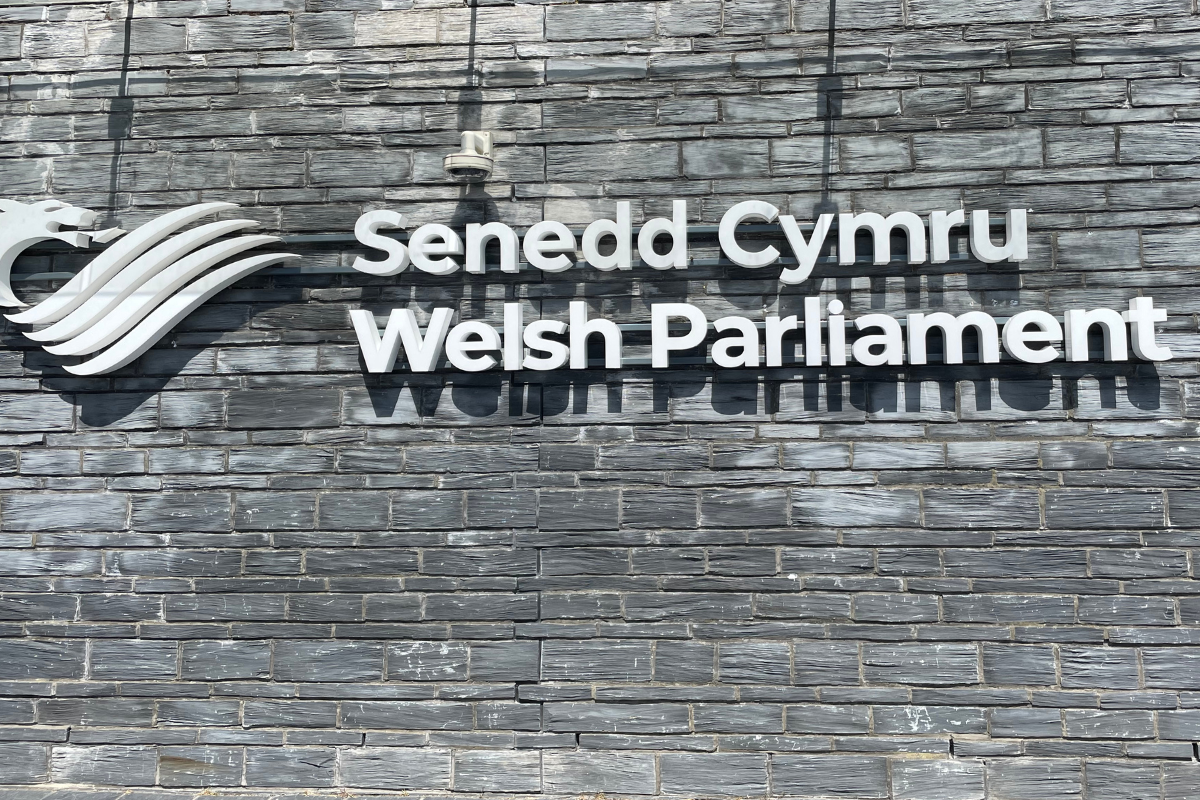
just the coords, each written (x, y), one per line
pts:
(474, 162)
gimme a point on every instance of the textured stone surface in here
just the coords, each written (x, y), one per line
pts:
(243, 565)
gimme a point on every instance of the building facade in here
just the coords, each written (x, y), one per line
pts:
(244, 562)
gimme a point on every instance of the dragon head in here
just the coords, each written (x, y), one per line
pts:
(22, 226)
(42, 220)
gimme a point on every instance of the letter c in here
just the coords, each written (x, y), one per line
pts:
(749, 209)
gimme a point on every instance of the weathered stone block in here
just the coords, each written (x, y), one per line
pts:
(27, 763)
(725, 159)
(926, 664)
(239, 33)
(396, 28)
(132, 659)
(106, 766)
(328, 661)
(714, 774)
(65, 512)
(498, 770)
(396, 768)
(310, 408)
(598, 771)
(621, 21)
(290, 766)
(600, 660)
(354, 168)
(914, 779)
(200, 766)
(991, 149)
(179, 511)
(851, 776)
(1034, 779)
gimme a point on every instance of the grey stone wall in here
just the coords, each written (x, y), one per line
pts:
(243, 562)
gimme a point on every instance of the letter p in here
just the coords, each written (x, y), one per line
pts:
(662, 343)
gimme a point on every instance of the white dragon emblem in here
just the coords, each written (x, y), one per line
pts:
(133, 292)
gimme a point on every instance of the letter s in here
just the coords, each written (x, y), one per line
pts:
(365, 230)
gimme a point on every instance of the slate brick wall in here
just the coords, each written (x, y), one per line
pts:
(243, 562)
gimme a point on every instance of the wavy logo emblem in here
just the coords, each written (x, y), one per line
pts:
(135, 291)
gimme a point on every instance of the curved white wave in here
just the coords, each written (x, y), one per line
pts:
(130, 295)
(165, 317)
(127, 281)
(150, 294)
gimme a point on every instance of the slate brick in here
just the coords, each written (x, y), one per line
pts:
(327, 661)
(729, 508)
(659, 508)
(846, 720)
(578, 510)
(1095, 668)
(931, 664)
(501, 509)
(819, 663)
(1116, 724)
(758, 662)
(626, 21)
(396, 768)
(291, 766)
(718, 774)
(625, 161)
(289, 714)
(406, 715)
(966, 508)
(741, 718)
(312, 408)
(200, 766)
(426, 661)
(131, 659)
(598, 771)
(266, 511)
(24, 762)
(239, 33)
(111, 765)
(199, 712)
(1122, 780)
(353, 510)
(505, 661)
(500, 770)
(426, 510)
(1103, 509)
(1141, 144)
(852, 776)
(982, 150)
(74, 511)
(718, 159)
(179, 511)
(26, 659)
(1041, 723)
(1026, 779)
(473, 607)
(643, 718)
(598, 660)
(1162, 667)
(941, 778)
(1020, 665)
(855, 507)
(683, 662)
(225, 660)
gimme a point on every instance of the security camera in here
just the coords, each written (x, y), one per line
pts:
(474, 162)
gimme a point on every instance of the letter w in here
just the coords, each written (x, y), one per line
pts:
(422, 352)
